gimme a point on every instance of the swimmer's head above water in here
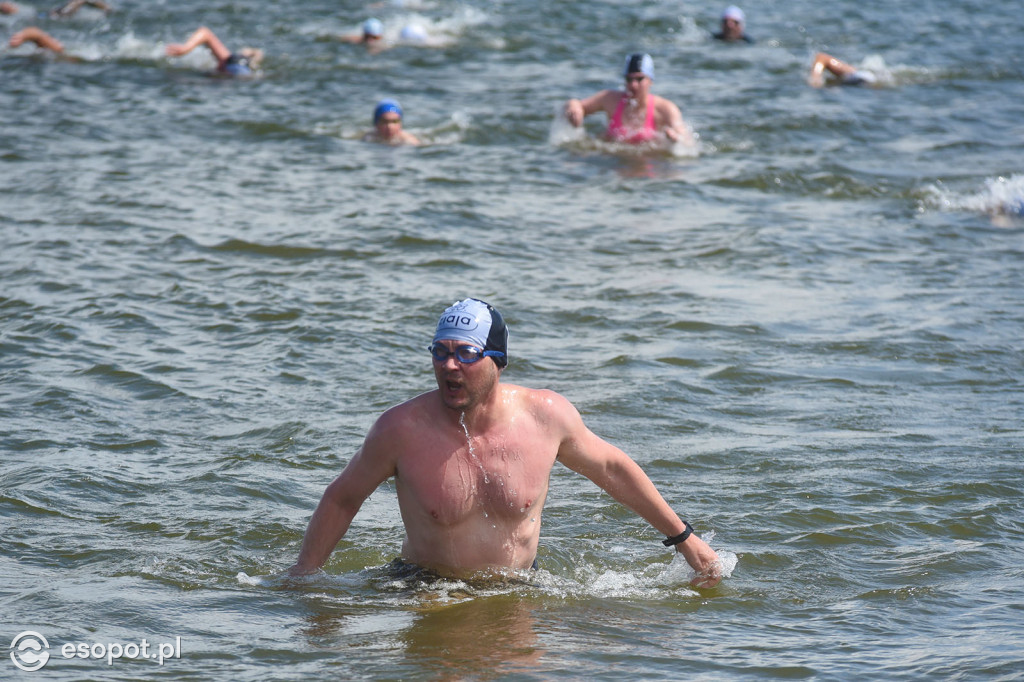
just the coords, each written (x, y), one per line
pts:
(476, 322)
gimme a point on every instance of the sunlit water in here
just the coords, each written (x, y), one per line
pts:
(807, 330)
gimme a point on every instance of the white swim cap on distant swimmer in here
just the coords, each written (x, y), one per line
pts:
(735, 13)
(373, 27)
(476, 322)
(413, 33)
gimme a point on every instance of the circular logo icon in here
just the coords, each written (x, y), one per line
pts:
(29, 651)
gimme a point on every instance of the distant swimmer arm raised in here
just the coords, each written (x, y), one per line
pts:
(38, 36)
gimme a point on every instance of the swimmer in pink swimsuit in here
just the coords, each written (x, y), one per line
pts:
(617, 132)
(660, 114)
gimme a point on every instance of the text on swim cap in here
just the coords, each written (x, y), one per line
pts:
(466, 322)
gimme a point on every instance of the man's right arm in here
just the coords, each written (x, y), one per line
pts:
(371, 466)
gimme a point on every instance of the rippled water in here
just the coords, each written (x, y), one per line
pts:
(808, 333)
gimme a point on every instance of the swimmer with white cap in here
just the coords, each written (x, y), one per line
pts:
(414, 34)
(387, 123)
(733, 26)
(471, 462)
(371, 35)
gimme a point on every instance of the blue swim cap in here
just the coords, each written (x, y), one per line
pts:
(476, 322)
(373, 27)
(386, 106)
(639, 62)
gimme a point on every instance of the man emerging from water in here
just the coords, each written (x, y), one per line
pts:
(471, 462)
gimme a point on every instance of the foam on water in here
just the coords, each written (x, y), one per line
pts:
(1001, 196)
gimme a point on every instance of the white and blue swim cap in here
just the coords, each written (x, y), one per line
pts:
(735, 13)
(373, 27)
(639, 62)
(386, 106)
(476, 322)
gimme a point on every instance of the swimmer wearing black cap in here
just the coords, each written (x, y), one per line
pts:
(471, 461)
(635, 115)
(841, 72)
(387, 122)
(245, 62)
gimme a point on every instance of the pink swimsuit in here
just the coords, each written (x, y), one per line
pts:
(618, 133)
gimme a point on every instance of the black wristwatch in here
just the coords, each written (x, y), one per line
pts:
(668, 542)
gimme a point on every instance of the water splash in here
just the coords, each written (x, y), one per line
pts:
(561, 131)
(472, 451)
(1001, 196)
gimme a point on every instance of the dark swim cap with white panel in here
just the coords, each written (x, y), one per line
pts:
(476, 322)
(639, 62)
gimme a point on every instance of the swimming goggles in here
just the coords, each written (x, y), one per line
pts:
(466, 355)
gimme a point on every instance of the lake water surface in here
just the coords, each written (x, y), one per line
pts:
(809, 332)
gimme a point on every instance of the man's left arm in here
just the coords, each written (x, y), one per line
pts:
(616, 473)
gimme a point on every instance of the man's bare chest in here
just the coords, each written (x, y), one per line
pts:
(492, 478)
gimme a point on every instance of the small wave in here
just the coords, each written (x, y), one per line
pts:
(140, 385)
(128, 47)
(1001, 196)
(282, 251)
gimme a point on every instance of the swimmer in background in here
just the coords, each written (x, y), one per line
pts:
(635, 116)
(73, 6)
(845, 74)
(372, 36)
(65, 10)
(41, 38)
(387, 122)
(245, 62)
(414, 34)
(733, 26)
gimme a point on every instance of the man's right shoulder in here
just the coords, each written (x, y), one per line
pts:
(401, 424)
(414, 408)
